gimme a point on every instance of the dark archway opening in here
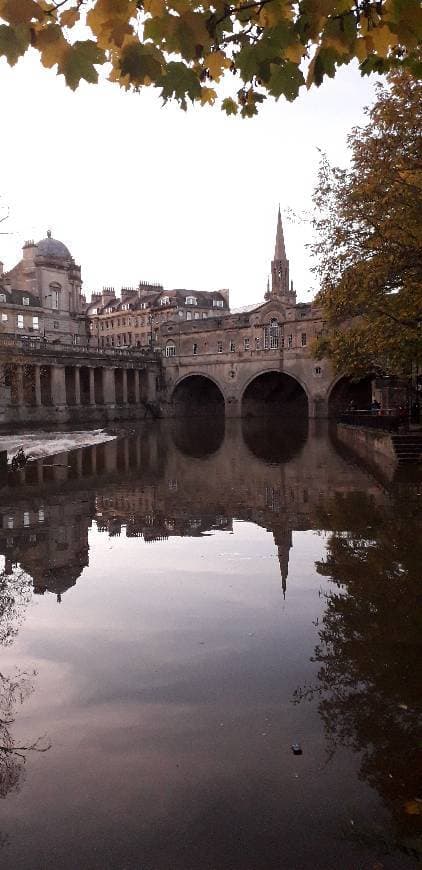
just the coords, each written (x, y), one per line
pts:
(272, 441)
(197, 396)
(275, 394)
(346, 393)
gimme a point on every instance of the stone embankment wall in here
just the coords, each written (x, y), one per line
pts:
(372, 445)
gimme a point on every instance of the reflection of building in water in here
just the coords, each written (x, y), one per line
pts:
(49, 539)
(150, 488)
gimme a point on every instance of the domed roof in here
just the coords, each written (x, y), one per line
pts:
(50, 247)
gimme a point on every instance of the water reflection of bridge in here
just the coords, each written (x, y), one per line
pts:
(171, 479)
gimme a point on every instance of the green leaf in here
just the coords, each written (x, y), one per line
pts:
(79, 63)
(140, 62)
(286, 79)
(178, 83)
(229, 106)
(13, 42)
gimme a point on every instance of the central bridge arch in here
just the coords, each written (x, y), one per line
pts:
(197, 395)
(274, 393)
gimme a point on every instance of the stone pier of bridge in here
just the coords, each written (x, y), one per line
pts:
(40, 384)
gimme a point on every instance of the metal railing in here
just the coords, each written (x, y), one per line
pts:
(386, 419)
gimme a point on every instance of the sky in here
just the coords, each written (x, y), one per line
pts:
(138, 191)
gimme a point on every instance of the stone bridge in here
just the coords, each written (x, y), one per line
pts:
(286, 382)
(45, 382)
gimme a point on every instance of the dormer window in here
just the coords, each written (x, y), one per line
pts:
(191, 300)
(25, 300)
(164, 300)
(217, 303)
(2, 297)
(94, 311)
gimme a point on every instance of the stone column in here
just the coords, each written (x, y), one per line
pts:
(151, 385)
(19, 385)
(136, 386)
(77, 386)
(92, 386)
(124, 386)
(109, 387)
(37, 385)
(58, 385)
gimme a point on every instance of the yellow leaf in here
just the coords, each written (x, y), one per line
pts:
(69, 17)
(208, 95)
(156, 8)
(294, 52)
(216, 62)
(383, 39)
(361, 49)
(52, 45)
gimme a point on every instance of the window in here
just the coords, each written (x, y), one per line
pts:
(246, 343)
(4, 318)
(35, 323)
(181, 313)
(55, 300)
(219, 347)
(56, 324)
(10, 522)
(217, 303)
(41, 515)
(303, 313)
(170, 349)
(164, 300)
(191, 300)
(232, 347)
(317, 370)
(195, 348)
(289, 341)
(2, 297)
(20, 321)
(75, 338)
(303, 339)
(26, 518)
(25, 300)
(257, 343)
(197, 315)
(188, 315)
(204, 315)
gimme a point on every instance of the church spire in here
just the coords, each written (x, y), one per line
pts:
(280, 284)
(280, 250)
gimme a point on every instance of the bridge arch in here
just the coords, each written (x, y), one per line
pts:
(197, 395)
(343, 391)
(272, 392)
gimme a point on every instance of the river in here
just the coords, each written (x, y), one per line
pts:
(210, 654)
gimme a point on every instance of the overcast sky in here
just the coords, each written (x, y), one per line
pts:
(138, 191)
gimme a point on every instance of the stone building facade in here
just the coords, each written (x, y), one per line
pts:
(134, 319)
(41, 297)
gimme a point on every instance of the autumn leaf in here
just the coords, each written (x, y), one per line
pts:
(69, 17)
(216, 63)
(52, 45)
(20, 11)
(79, 63)
(13, 42)
(208, 95)
(179, 82)
(229, 106)
(140, 63)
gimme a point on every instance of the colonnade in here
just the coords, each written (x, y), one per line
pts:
(38, 385)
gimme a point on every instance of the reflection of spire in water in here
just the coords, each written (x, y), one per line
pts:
(283, 540)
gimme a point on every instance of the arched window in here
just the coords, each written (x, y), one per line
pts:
(170, 348)
(271, 334)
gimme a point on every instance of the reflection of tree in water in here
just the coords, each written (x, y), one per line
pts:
(370, 644)
(15, 594)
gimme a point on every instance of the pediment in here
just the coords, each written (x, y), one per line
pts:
(272, 308)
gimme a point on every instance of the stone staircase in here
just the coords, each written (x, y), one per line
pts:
(408, 448)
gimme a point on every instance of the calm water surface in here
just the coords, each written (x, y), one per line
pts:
(179, 607)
